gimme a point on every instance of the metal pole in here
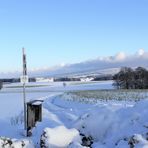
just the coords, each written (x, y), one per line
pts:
(25, 111)
(24, 91)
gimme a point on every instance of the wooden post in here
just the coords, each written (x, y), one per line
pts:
(34, 114)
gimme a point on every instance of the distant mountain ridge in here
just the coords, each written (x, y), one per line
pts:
(99, 66)
(106, 65)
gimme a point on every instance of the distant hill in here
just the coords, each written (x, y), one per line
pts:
(106, 65)
(99, 66)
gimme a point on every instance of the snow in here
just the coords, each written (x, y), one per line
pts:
(37, 102)
(13, 143)
(73, 123)
(58, 86)
(101, 122)
(60, 136)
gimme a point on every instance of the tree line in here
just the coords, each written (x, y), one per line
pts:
(128, 78)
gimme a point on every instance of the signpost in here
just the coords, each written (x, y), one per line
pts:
(32, 109)
(24, 80)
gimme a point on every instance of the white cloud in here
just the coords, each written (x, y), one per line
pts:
(141, 52)
(140, 58)
(120, 56)
(62, 64)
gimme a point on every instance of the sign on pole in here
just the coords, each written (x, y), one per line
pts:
(24, 79)
(24, 63)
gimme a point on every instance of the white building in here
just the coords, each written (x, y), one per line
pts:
(87, 79)
(44, 79)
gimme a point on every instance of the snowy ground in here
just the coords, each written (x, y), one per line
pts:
(71, 122)
(11, 95)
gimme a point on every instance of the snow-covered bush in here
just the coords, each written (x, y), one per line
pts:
(96, 123)
(86, 140)
(13, 143)
(135, 141)
(18, 119)
(5, 142)
(116, 129)
(76, 145)
(59, 137)
(138, 140)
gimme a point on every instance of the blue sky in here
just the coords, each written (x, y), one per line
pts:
(69, 31)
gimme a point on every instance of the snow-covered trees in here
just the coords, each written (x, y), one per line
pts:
(141, 77)
(127, 78)
(1, 85)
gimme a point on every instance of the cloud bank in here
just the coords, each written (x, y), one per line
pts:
(121, 59)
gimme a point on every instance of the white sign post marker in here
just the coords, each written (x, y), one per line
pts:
(24, 79)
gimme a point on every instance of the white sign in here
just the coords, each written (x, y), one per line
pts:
(24, 79)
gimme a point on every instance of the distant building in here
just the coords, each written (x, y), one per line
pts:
(44, 79)
(86, 79)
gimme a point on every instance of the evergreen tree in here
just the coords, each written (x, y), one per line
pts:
(128, 78)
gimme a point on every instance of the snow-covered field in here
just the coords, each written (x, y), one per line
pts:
(73, 119)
